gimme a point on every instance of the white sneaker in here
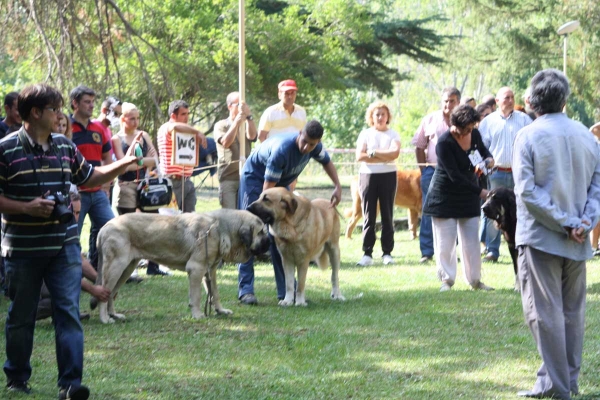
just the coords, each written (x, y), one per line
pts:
(365, 261)
(387, 259)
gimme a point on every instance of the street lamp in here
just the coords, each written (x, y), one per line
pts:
(564, 31)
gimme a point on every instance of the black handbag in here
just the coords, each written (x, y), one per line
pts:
(154, 193)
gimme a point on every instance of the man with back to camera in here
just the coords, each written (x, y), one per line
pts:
(278, 162)
(555, 213)
(425, 139)
(179, 114)
(40, 239)
(498, 131)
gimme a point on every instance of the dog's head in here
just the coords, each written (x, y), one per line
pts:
(254, 235)
(499, 202)
(274, 205)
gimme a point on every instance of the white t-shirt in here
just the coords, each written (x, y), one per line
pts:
(377, 140)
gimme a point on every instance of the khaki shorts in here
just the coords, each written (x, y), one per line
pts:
(125, 194)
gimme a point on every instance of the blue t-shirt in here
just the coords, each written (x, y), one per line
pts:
(279, 160)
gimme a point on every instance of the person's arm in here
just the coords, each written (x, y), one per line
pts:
(99, 292)
(385, 155)
(268, 185)
(185, 128)
(106, 173)
(538, 202)
(591, 211)
(262, 135)
(38, 207)
(229, 137)
(117, 147)
(421, 158)
(336, 197)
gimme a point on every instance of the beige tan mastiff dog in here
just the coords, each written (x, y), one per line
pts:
(304, 230)
(194, 243)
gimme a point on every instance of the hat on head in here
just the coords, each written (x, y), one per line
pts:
(288, 84)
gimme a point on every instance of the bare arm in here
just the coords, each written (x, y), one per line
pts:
(262, 136)
(379, 155)
(107, 173)
(38, 207)
(268, 185)
(421, 159)
(185, 128)
(336, 197)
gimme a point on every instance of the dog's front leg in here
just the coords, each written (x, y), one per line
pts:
(215, 292)
(289, 272)
(195, 274)
(302, 271)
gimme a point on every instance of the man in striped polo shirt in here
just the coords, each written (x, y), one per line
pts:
(40, 240)
(285, 116)
(179, 114)
(498, 131)
(90, 138)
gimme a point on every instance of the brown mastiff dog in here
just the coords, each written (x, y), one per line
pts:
(194, 243)
(408, 195)
(304, 230)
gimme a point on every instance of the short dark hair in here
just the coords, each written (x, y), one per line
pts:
(176, 105)
(10, 98)
(482, 107)
(451, 91)
(464, 115)
(39, 96)
(491, 102)
(313, 129)
(549, 92)
(74, 196)
(80, 91)
(111, 101)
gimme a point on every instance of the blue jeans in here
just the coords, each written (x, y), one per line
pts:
(62, 274)
(97, 206)
(492, 235)
(249, 193)
(426, 231)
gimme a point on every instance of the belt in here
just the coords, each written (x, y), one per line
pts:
(503, 169)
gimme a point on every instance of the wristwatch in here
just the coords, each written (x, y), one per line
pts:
(250, 118)
(371, 153)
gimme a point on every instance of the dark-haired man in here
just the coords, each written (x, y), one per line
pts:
(12, 119)
(179, 114)
(37, 245)
(278, 162)
(90, 138)
(555, 213)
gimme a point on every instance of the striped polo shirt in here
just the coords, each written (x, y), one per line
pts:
(277, 119)
(165, 149)
(92, 142)
(24, 235)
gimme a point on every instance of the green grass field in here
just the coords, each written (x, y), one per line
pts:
(395, 337)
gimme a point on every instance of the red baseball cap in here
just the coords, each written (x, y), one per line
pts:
(288, 84)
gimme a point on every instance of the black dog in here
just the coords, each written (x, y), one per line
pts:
(501, 207)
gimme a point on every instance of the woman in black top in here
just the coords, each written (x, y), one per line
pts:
(453, 199)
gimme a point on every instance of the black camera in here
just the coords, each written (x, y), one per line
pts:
(61, 211)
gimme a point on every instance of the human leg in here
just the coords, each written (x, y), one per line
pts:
(24, 278)
(444, 241)
(228, 194)
(574, 293)
(540, 275)
(189, 200)
(368, 195)
(387, 193)
(426, 230)
(249, 192)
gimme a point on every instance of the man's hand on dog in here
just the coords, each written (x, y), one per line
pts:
(336, 197)
(101, 293)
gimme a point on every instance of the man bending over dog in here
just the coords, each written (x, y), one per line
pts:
(40, 240)
(278, 162)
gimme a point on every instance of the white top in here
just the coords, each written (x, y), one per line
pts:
(377, 140)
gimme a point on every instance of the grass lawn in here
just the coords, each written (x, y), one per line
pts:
(395, 337)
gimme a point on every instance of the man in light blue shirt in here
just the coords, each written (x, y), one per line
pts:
(557, 185)
(498, 131)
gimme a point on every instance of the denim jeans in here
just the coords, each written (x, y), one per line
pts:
(426, 231)
(250, 192)
(492, 235)
(97, 206)
(62, 274)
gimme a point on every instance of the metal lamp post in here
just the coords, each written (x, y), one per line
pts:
(564, 32)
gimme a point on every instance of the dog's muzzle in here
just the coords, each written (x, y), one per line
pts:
(262, 248)
(265, 216)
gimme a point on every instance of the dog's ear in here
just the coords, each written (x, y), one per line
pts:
(291, 205)
(246, 233)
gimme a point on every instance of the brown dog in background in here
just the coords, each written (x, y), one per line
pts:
(408, 195)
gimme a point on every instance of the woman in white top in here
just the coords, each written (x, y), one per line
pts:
(377, 148)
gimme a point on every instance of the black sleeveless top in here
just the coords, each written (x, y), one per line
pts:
(131, 176)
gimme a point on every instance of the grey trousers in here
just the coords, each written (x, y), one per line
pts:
(553, 292)
(187, 203)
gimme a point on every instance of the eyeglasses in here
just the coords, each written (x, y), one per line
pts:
(55, 110)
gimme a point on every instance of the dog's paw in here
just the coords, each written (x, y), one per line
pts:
(118, 317)
(336, 295)
(286, 303)
(301, 304)
(108, 320)
(198, 314)
(224, 311)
